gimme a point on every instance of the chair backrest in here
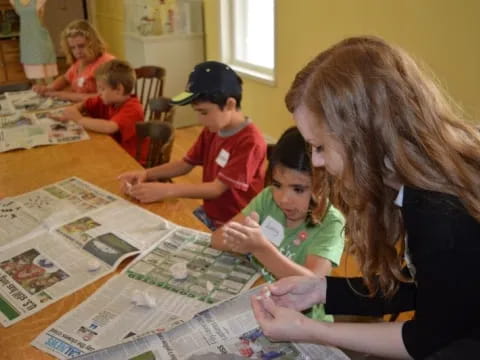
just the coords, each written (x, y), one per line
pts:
(161, 110)
(150, 83)
(161, 135)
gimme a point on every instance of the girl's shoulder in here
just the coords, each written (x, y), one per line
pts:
(333, 215)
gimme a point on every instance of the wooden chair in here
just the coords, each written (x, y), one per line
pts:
(149, 84)
(161, 110)
(161, 135)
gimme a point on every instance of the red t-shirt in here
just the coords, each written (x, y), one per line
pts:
(237, 161)
(84, 81)
(125, 116)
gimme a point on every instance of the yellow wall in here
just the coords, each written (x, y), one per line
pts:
(442, 33)
(109, 19)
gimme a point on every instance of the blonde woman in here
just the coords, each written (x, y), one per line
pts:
(85, 51)
(408, 170)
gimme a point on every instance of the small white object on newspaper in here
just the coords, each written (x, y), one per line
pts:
(93, 265)
(143, 298)
(179, 271)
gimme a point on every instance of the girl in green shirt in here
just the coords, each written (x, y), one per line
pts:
(290, 228)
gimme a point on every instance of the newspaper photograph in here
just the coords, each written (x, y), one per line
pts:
(148, 297)
(39, 272)
(54, 261)
(226, 331)
(24, 131)
(26, 215)
(29, 100)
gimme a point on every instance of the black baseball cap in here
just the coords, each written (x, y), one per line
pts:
(208, 78)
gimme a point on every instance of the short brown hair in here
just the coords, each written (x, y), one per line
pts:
(117, 72)
(95, 44)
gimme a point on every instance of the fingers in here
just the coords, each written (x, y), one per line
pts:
(130, 177)
(147, 192)
(253, 216)
(126, 187)
(268, 305)
(233, 238)
(282, 287)
(139, 192)
(234, 230)
(262, 316)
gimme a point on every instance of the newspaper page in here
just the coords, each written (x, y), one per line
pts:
(27, 130)
(35, 211)
(114, 313)
(29, 100)
(59, 260)
(228, 329)
(6, 107)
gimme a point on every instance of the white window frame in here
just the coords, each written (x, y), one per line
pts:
(227, 46)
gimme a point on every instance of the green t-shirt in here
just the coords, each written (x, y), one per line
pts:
(325, 239)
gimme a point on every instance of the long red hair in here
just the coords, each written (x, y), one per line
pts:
(377, 102)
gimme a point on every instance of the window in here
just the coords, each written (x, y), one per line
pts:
(248, 37)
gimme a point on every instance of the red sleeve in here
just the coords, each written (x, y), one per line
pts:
(194, 156)
(127, 117)
(244, 163)
(92, 107)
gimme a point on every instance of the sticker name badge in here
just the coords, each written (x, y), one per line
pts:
(222, 158)
(272, 230)
(81, 81)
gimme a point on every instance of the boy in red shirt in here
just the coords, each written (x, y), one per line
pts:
(230, 149)
(114, 111)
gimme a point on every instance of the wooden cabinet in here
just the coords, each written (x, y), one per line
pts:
(3, 77)
(11, 70)
(11, 59)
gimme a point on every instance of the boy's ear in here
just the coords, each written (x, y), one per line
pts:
(231, 104)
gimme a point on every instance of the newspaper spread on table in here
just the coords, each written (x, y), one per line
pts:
(29, 100)
(23, 126)
(114, 314)
(59, 238)
(227, 328)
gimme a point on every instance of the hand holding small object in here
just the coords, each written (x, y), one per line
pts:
(40, 89)
(148, 192)
(71, 113)
(244, 237)
(280, 323)
(131, 178)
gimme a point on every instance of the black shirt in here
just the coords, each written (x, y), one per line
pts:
(444, 243)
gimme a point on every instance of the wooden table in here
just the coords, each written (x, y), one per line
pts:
(99, 161)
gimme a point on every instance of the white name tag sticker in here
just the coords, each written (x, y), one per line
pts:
(222, 158)
(81, 81)
(272, 230)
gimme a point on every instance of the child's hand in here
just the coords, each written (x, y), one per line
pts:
(150, 192)
(71, 113)
(128, 179)
(40, 89)
(246, 237)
